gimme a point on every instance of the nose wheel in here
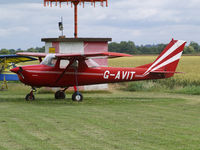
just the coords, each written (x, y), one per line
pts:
(30, 96)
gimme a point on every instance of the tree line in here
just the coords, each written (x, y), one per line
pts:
(130, 48)
(5, 51)
(121, 47)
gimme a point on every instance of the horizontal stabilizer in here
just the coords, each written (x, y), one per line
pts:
(164, 72)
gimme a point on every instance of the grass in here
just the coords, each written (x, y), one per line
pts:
(194, 90)
(109, 121)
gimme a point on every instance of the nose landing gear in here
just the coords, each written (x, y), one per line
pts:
(30, 96)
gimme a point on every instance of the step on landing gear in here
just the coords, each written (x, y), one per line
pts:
(30, 96)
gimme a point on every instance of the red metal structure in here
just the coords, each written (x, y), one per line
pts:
(54, 72)
(75, 3)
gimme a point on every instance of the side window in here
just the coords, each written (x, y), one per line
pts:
(91, 63)
(63, 63)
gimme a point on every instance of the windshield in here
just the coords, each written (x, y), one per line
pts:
(49, 60)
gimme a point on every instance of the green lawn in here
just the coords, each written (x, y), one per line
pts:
(103, 121)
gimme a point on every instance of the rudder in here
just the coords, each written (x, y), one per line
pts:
(168, 60)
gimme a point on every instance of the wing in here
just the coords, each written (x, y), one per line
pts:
(15, 58)
(32, 54)
(78, 55)
(87, 55)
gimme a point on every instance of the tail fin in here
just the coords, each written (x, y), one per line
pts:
(167, 61)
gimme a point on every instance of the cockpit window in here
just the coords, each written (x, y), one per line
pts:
(49, 60)
(64, 63)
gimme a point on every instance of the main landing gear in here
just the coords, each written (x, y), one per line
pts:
(60, 94)
(77, 96)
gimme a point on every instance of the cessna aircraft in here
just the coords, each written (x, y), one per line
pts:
(66, 70)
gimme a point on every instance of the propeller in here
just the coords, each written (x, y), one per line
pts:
(20, 72)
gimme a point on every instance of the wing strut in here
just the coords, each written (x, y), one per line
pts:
(76, 78)
(77, 96)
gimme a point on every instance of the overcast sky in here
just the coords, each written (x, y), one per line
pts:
(24, 22)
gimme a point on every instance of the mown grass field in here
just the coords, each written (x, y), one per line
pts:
(113, 120)
(103, 121)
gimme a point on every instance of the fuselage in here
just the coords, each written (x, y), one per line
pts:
(43, 75)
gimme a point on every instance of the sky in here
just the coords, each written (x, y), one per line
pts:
(24, 22)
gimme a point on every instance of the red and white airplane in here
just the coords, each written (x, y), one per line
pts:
(67, 70)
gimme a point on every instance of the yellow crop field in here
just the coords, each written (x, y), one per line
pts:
(190, 65)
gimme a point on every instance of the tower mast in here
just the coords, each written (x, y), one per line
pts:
(75, 3)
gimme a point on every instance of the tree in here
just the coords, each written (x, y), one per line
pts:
(4, 51)
(31, 50)
(12, 51)
(113, 47)
(123, 47)
(195, 46)
(189, 50)
(40, 49)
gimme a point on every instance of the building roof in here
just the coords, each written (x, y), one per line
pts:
(76, 39)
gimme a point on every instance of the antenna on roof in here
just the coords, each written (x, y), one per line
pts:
(60, 26)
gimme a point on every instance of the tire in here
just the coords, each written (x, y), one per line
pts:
(60, 95)
(30, 97)
(77, 96)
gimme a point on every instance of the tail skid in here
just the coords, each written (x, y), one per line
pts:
(167, 61)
